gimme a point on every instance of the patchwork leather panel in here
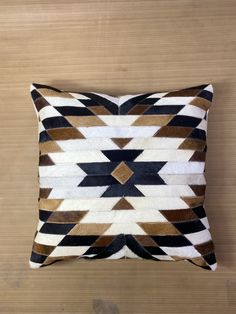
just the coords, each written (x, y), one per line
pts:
(122, 177)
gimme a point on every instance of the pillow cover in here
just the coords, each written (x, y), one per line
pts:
(122, 177)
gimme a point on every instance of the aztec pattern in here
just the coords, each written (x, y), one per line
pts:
(122, 177)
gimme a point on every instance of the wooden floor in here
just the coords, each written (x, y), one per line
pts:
(115, 47)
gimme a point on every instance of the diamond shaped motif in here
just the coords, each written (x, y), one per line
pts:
(122, 173)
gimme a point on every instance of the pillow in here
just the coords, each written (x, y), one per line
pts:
(122, 177)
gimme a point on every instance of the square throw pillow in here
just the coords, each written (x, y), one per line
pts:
(122, 177)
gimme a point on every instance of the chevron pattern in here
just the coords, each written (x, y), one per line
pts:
(122, 177)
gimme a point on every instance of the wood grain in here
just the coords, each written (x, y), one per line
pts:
(115, 47)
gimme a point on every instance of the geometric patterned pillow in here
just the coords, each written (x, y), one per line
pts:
(122, 177)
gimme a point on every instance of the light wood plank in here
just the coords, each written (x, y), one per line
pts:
(115, 47)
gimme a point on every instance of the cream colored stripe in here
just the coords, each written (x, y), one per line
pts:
(166, 190)
(129, 131)
(79, 156)
(107, 143)
(89, 191)
(179, 179)
(48, 239)
(165, 155)
(107, 203)
(61, 170)
(119, 216)
(86, 156)
(69, 251)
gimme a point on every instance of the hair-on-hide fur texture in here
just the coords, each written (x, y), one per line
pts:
(122, 177)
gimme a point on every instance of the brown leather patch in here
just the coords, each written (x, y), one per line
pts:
(122, 173)
(49, 147)
(45, 160)
(121, 142)
(193, 201)
(78, 121)
(162, 228)
(46, 92)
(42, 249)
(44, 193)
(194, 144)
(138, 109)
(66, 216)
(205, 248)
(198, 156)
(104, 240)
(41, 103)
(122, 204)
(201, 103)
(99, 110)
(50, 205)
(198, 189)
(64, 134)
(190, 92)
(198, 261)
(89, 228)
(145, 240)
(158, 120)
(179, 214)
(174, 131)
(49, 260)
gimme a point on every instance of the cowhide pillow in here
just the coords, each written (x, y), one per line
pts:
(122, 177)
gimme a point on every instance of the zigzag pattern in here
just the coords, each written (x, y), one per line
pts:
(122, 177)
